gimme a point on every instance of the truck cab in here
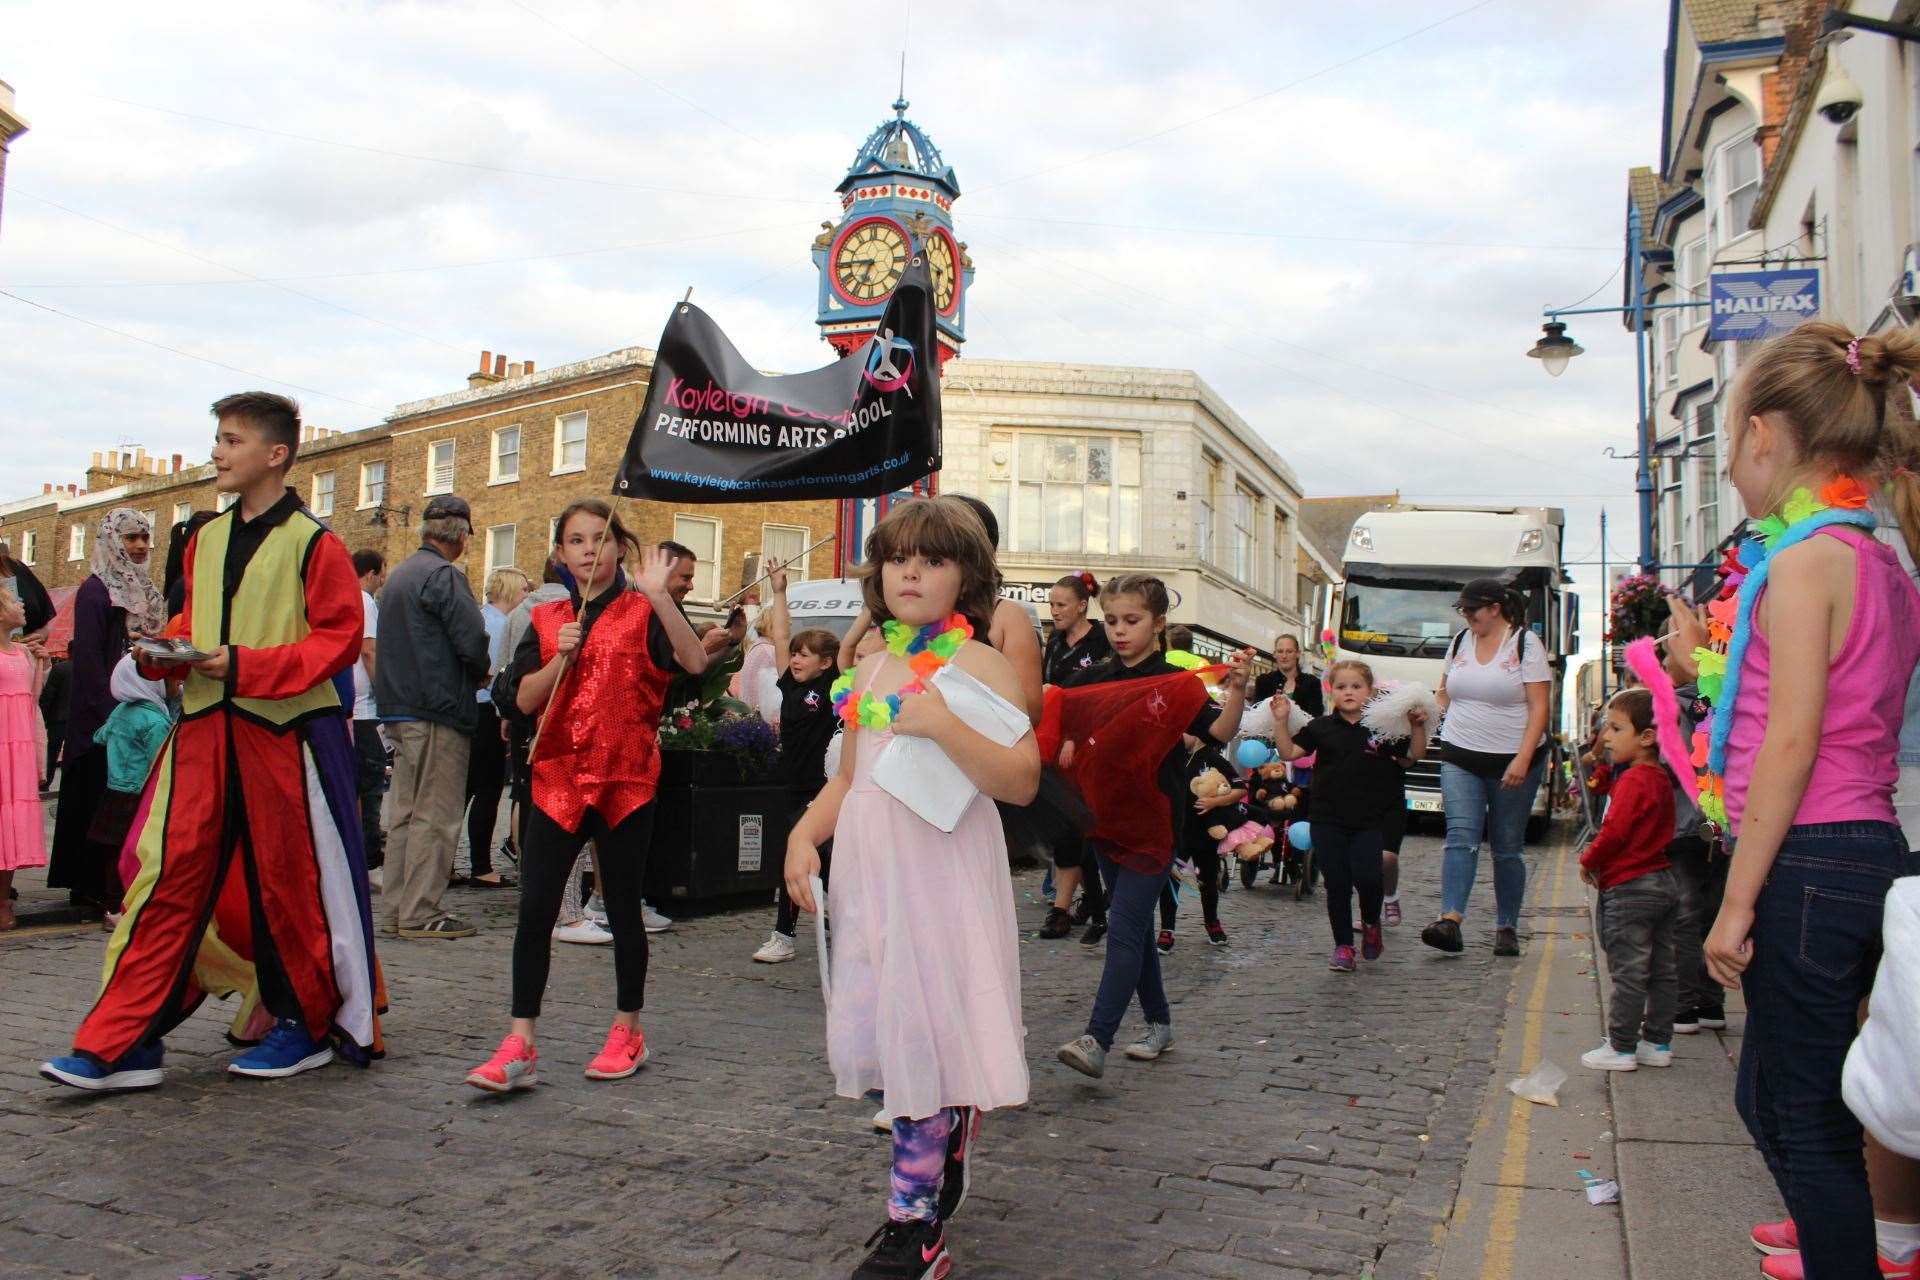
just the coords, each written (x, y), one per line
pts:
(1405, 565)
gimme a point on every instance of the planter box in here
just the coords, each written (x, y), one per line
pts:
(715, 834)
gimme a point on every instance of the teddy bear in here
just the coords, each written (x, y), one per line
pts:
(1272, 790)
(1246, 841)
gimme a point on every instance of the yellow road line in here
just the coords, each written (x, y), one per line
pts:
(1503, 1228)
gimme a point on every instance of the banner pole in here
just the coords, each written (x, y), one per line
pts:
(769, 573)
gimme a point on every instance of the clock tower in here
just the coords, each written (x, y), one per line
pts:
(897, 196)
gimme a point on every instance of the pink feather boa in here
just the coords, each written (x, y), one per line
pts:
(1644, 662)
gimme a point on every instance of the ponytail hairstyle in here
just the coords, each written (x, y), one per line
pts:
(1514, 609)
(1832, 392)
(1082, 584)
(1152, 593)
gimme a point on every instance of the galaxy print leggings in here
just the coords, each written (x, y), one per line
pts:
(919, 1158)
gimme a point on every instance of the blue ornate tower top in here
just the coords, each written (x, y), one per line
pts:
(897, 196)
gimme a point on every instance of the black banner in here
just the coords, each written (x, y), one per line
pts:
(714, 429)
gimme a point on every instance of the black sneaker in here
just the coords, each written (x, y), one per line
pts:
(1059, 924)
(1095, 932)
(1686, 1022)
(1506, 942)
(912, 1250)
(1082, 911)
(1443, 935)
(1712, 1016)
(958, 1174)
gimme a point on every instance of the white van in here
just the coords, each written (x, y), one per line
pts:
(833, 603)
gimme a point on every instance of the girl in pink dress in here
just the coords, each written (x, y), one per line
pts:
(23, 745)
(925, 1002)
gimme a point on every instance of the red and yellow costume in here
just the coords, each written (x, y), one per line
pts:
(252, 878)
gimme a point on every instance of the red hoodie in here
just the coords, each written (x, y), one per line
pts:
(1638, 828)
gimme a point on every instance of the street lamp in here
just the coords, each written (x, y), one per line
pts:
(1555, 348)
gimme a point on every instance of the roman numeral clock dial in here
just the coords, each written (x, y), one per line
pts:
(870, 261)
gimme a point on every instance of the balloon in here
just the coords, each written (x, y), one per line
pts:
(1252, 753)
(1300, 836)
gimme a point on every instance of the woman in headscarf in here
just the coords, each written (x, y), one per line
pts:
(116, 604)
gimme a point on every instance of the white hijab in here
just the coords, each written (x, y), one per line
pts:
(128, 685)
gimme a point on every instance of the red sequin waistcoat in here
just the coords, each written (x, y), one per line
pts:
(601, 745)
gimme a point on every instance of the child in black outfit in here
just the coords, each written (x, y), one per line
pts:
(1201, 849)
(1357, 783)
(809, 665)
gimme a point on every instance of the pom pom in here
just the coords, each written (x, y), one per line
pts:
(833, 754)
(1387, 713)
(1257, 720)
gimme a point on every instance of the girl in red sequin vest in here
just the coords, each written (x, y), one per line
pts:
(603, 657)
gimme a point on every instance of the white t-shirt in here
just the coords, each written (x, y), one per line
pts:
(1487, 705)
(363, 708)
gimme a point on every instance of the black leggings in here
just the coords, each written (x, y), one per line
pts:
(1206, 862)
(547, 854)
(1349, 859)
(786, 914)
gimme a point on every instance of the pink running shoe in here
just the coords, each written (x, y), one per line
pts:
(1342, 960)
(1791, 1266)
(1371, 943)
(1775, 1238)
(624, 1053)
(511, 1067)
(1392, 913)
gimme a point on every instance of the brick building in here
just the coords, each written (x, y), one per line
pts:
(517, 443)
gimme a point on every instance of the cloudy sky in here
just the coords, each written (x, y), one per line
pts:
(1346, 218)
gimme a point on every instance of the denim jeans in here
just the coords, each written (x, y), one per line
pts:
(1702, 873)
(1133, 962)
(1480, 808)
(1636, 927)
(1815, 947)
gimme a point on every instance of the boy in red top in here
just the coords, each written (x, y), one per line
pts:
(1639, 896)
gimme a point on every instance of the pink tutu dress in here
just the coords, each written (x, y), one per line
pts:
(23, 749)
(925, 955)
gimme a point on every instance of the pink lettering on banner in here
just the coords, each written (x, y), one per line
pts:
(713, 399)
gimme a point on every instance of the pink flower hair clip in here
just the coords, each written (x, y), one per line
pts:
(1853, 356)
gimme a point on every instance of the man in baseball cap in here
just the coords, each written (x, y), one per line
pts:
(433, 655)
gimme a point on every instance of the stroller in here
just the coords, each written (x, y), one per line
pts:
(1284, 801)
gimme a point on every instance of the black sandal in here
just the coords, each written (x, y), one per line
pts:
(503, 881)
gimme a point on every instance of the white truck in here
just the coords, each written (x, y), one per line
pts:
(1406, 563)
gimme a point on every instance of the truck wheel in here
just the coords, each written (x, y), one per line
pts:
(1536, 828)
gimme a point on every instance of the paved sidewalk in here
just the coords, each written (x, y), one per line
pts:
(1306, 1123)
(1690, 1182)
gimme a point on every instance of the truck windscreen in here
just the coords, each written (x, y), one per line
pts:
(1399, 618)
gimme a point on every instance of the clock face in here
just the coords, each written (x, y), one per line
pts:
(946, 276)
(870, 260)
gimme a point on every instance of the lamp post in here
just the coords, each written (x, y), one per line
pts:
(1555, 349)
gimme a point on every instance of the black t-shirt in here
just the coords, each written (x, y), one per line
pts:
(1210, 756)
(1355, 780)
(1172, 774)
(1306, 692)
(1063, 661)
(806, 727)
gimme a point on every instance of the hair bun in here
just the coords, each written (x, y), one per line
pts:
(1088, 580)
(1888, 357)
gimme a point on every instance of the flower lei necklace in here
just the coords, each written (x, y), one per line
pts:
(926, 649)
(1730, 619)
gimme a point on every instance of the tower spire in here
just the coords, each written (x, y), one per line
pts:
(900, 104)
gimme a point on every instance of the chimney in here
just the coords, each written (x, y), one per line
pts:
(486, 373)
(46, 487)
(96, 458)
(513, 369)
(529, 368)
(176, 462)
(500, 366)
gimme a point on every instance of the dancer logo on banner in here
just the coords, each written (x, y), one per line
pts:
(715, 429)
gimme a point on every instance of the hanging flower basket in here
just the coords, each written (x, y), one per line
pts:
(1638, 607)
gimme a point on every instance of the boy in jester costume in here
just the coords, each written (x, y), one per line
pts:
(247, 834)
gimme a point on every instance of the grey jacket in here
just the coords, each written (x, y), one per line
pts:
(433, 644)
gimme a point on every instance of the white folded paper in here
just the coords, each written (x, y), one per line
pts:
(820, 935)
(917, 773)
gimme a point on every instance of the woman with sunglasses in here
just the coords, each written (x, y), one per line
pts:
(1494, 693)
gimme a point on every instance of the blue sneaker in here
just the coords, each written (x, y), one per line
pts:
(287, 1051)
(138, 1069)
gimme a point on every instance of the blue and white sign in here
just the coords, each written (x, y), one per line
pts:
(1749, 306)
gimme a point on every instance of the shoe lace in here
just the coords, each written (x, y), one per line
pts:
(893, 1237)
(511, 1049)
(284, 1031)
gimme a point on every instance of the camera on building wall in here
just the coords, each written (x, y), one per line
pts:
(1839, 99)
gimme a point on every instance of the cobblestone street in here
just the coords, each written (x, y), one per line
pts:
(1306, 1123)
